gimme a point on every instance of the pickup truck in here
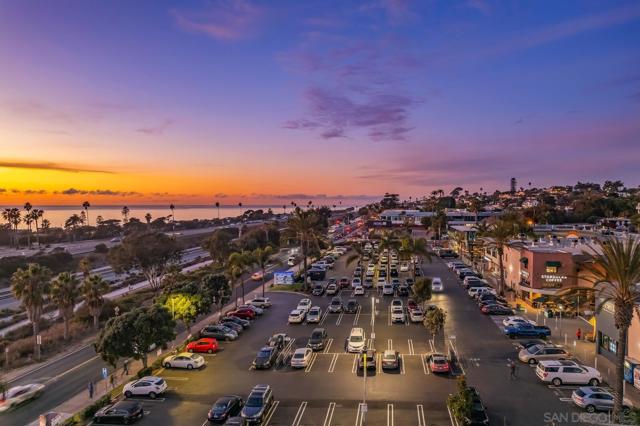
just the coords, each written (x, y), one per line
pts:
(527, 330)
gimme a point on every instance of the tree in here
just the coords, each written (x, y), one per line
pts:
(410, 247)
(461, 402)
(497, 237)
(36, 215)
(614, 270)
(125, 214)
(84, 266)
(305, 227)
(28, 220)
(219, 246)
(64, 293)
(236, 267)
(31, 286)
(261, 258)
(150, 252)
(72, 223)
(85, 206)
(46, 225)
(184, 307)
(147, 218)
(133, 333)
(93, 290)
(217, 286)
(421, 290)
(13, 219)
(434, 321)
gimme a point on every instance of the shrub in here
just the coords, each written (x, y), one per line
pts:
(460, 403)
(101, 248)
(144, 372)
(88, 412)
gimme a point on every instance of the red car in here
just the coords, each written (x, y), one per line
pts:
(206, 344)
(344, 282)
(438, 363)
(247, 314)
(411, 304)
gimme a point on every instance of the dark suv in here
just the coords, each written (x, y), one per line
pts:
(351, 307)
(258, 404)
(318, 339)
(265, 358)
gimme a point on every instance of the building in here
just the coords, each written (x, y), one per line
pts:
(512, 185)
(455, 217)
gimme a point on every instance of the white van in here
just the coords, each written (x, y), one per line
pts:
(474, 291)
(356, 341)
(436, 285)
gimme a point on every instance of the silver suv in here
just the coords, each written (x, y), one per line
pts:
(535, 353)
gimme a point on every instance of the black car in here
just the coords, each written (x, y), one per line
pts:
(225, 407)
(236, 421)
(232, 325)
(371, 360)
(393, 272)
(526, 344)
(497, 310)
(218, 332)
(351, 306)
(124, 412)
(318, 339)
(463, 274)
(243, 322)
(265, 358)
(258, 404)
(418, 272)
(409, 282)
(382, 273)
(318, 290)
(403, 290)
(478, 415)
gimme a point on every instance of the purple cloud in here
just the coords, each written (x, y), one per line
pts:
(222, 19)
(109, 192)
(158, 129)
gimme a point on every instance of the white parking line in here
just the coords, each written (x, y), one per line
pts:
(270, 413)
(410, 343)
(431, 345)
(421, 419)
(379, 363)
(298, 418)
(360, 415)
(389, 315)
(354, 366)
(175, 378)
(324, 317)
(332, 365)
(454, 422)
(389, 414)
(355, 319)
(425, 365)
(311, 362)
(327, 346)
(339, 318)
(390, 344)
(329, 416)
(402, 365)
(369, 343)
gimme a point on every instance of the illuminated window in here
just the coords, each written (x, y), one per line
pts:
(552, 269)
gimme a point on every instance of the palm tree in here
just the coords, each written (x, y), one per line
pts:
(261, 257)
(173, 213)
(125, 214)
(31, 287)
(64, 293)
(305, 227)
(359, 253)
(147, 217)
(236, 267)
(86, 206)
(46, 225)
(92, 291)
(497, 237)
(614, 270)
(84, 266)
(12, 217)
(72, 223)
(218, 208)
(36, 215)
(28, 220)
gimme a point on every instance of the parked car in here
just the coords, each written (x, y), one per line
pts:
(595, 399)
(246, 314)
(225, 407)
(18, 394)
(370, 356)
(436, 285)
(336, 305)
(411, 304)
(537, 353)
(314, 315)
(478, 415)
(183, 360)
(260, 302)
(344, 282)
(390, 360)
(527, 330)
(416, 315)
(514, 320)
(218, 332)
(150, 386)
(368, 283)
(397, 314)
(351, 307)
(256, 309)
(496, 309)
(205, 344)
(403, 291)
(358, 291)
(332, 289)
(279, 340)
(523, 344)
(304, 305)
(296, 316)
(124, 412)
(232, 325)
(257, 405)
(318, 339)
(404, 267)
(265, 358)
(318, 289)
(567, 372)
(438, 363)
(236, 421)
(387, 290)
(301, 357)
(244, 323)
(356, 340)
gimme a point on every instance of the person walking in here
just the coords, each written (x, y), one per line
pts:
(90, 389)
(125, 368)
(112, 380)
(579, 334)
(512, 370)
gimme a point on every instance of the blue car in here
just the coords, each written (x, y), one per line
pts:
(527, 330)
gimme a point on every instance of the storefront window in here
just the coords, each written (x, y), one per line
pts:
(608, 344)
(551, 269)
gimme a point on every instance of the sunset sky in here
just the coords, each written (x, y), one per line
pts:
(194, 102)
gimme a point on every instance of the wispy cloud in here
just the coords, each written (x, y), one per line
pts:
(157, 129)
(36, 110)
(107, 192)
(221, 19)
(481, 6)
(44, 165)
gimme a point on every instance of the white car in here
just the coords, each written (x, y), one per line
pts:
(404, 267)
(387, 290)
(304, 305)
(358, 291)
(371, 267)
(257, 276)
(382, 281)
(260, 302)
(150, 386)
(184, 360)
(300, 358)
(314, 315)
(356, 340)
(516, 320)
(416, 315)
(567, 372)
(296, 316)
(397, 314)
(19, 394)
(291, 261)
(436, 285)
(356, 282)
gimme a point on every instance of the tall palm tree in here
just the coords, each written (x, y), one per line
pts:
(64, 293)
(84, 266)
(13, 217)
(497, 237)
(305, 227)
(236, 267)
(218, 208)
(86, 206)
(125, 214)
(46, 225)
(31, 287)
(147, 217)
(72, 223)
(36, 215)
(93, 290)
(28, 220)
(261, 257)
(614, 270)
(173, 212)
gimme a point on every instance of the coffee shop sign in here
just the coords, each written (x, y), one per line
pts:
(553, 278)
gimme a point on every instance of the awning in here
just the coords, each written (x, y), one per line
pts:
(553, 264)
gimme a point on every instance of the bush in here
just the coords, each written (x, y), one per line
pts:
(144, 372)
(88, 412)
(101, 248)
(460, 403)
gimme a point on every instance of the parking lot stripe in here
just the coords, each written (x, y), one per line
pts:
(425, 364)
(326, 348)
(431, 345)
(421, 419)
(566, 399)
(269, 415)
(379, 363)
(360, 415)
(402, 365)
(454, 422)
(339, 318)
(389, 414)
(389, 315)
(455, 351)
(298, 418)
(324, 316)
(410, 343)
(355, 364)
(390, 344)
(355, 319)
(311, 362)
(332, 365)
(329, 416)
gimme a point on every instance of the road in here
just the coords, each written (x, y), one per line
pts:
(330, 391)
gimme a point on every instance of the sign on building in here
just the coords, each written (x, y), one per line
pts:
(283, 278)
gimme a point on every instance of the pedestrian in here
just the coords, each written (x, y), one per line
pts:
(130, 287)
(125, 368)
(512, 370)
(112, 380)
(578, 333)
(90, 389)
